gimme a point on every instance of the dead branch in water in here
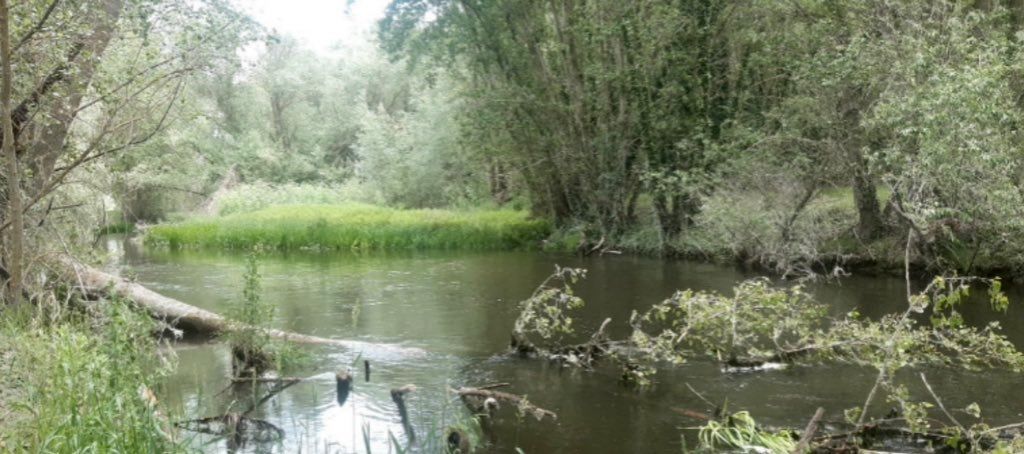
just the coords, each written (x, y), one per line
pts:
(809, 432)
(398, 397)
(498, 396)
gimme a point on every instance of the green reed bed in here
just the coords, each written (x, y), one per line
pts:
(356, 226)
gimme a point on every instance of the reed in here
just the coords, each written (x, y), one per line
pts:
(355, 226)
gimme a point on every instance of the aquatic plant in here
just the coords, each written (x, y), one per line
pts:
(355, 226)
(253, 349)
(740, 431)
(250, 345)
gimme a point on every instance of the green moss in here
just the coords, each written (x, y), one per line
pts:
(355, 226)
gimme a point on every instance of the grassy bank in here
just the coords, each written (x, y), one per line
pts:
(78, 384)
(355, 226)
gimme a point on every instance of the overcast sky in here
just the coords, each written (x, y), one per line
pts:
(320, 24)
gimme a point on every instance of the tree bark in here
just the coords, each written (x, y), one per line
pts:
(865, 197)
(16, 238)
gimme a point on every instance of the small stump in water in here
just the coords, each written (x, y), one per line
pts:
(249, 362)
(344, 385)
(457, 441)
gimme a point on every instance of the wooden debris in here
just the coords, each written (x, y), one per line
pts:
(344, 386)
(809, 432)
(398, 397)
(518, 401)
(175, 313)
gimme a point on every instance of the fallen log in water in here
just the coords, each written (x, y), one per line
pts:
(175, 313)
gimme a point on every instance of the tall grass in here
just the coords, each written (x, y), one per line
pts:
(355, 226)
(85, 385)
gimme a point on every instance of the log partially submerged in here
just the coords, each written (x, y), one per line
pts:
(175, 313)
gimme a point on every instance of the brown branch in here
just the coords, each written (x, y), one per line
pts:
(280, 386)
(495, 386)
(941, 406)
(398, 397)
(808, 434)
(88, 154)
(693, 414)
(519, 401)
(20, 114)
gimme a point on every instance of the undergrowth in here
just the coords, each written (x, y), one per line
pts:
(85, 384)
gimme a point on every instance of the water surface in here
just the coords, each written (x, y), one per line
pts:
(443, 319)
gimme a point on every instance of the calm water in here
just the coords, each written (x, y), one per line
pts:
(443, 319)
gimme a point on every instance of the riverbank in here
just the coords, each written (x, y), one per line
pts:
(355, 226)
(740, 228)
(754, 231)
(82, 383)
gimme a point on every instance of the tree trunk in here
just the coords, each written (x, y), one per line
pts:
(499, 183)
(174, 312)
(865, 198)
(15, 240)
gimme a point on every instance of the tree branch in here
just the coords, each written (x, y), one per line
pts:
(37, 27)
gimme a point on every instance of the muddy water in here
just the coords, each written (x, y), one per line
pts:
(443, 319)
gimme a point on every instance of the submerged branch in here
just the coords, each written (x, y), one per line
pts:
(518, 401)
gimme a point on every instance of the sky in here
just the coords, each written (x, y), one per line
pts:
(319, 24)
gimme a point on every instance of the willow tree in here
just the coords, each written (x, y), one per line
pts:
(595, 102)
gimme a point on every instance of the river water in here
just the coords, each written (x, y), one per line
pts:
(440, 319)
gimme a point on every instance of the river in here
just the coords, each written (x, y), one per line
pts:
(440, 319)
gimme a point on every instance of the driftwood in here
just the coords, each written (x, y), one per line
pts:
(237, 427)
(809, 432)
(498, 396)
(175, 313)
(279, 386)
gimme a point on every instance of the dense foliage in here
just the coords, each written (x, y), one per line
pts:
(688, 109)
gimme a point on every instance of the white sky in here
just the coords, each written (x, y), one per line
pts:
(319, 24)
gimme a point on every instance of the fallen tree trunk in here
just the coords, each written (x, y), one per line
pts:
(175, 313)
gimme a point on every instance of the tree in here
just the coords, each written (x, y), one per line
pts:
(13, 257)
(95, 78)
